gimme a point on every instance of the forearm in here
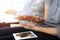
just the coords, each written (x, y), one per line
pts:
(51, 31)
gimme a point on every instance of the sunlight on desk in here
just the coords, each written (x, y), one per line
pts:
(15, 25)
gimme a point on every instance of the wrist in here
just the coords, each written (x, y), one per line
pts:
(36, 28)
(40, 29)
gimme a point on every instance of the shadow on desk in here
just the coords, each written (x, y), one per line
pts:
(41, 36)
(10, 37)
(9, 31)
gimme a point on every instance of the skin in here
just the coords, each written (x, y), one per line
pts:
(49, 30)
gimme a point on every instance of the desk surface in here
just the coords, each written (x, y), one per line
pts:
(3, 24)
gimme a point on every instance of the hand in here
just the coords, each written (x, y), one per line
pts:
(21, 17)
(30, 18)
(28, 26)
(36, 19)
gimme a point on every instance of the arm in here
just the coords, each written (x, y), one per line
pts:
(47, 4)
(47, 30)
(46, 11)
(51, 31)
(37, 7)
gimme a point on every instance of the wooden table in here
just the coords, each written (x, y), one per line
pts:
(3, 24)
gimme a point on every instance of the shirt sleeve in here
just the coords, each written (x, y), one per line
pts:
(38, 7)
(47, 1)
(58, 34)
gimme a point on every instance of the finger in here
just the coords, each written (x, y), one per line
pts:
(20, 17)
(26, 25)
(23, 24)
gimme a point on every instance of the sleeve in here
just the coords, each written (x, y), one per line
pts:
(47, 1)
(58, 32)
(38, 7)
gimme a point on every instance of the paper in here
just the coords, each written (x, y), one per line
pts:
(11, 20)
(8, 18)
(24, 35)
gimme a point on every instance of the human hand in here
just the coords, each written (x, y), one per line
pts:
(30, 18)
(21, 17)
(28, 26)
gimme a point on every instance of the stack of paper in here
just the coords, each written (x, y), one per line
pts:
(8, 18)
